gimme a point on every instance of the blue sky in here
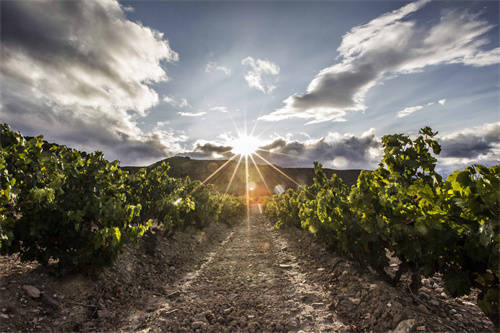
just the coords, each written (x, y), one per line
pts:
(302, 39)
(324, 80)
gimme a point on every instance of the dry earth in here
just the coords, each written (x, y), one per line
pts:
(248, 278)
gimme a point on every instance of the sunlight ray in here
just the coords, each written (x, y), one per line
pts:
(234, 174)
(247, 191)
(215, 172)
(234, 124)
(254, 126)
(274, 167)
(260, 174)
(256, 121)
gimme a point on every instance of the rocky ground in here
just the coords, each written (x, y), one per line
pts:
(248, 278)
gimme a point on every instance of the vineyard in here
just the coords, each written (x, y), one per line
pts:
(113, 249)
(406, 210)
(77, 210)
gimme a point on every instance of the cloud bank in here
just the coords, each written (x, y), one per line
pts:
(80, 72)
(335, 150)
(346, 151)
(392, 44)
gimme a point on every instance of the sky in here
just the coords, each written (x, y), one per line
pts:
(145, 80)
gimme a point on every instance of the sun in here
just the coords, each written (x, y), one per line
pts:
(245, 145)
(245, 149)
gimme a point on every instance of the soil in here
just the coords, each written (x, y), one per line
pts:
(247, 278)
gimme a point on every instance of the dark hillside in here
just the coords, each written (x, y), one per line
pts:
(201, 169)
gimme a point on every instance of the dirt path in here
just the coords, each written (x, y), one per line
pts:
(251, 282)
(245, 278)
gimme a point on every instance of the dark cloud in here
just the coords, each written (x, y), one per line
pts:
(209, 150)
(337, 89)
(108, 135)
(472, 144)
(79, 72)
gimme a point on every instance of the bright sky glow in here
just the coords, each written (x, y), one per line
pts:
(245, 145)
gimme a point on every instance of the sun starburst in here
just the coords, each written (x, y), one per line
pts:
(245, 145)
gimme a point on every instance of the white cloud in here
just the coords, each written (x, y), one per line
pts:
(128, 9)
(213, 66)
(483, 58)
(389, 45)
(81, 74)
(258, 75)
(223, 109)
(409, 110)
(181, 103)
(160, 124)
(192, 114)
(170, 100)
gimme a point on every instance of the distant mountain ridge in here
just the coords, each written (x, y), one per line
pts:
(201, 169)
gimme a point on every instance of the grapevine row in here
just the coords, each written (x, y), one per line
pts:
(405, 208)
(76, 210)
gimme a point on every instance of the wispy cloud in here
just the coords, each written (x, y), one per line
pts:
(258, 75)
(392, 44)
(192, 114)
(411, 109)
(181, 103)
(213, 66)
(128, 9)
